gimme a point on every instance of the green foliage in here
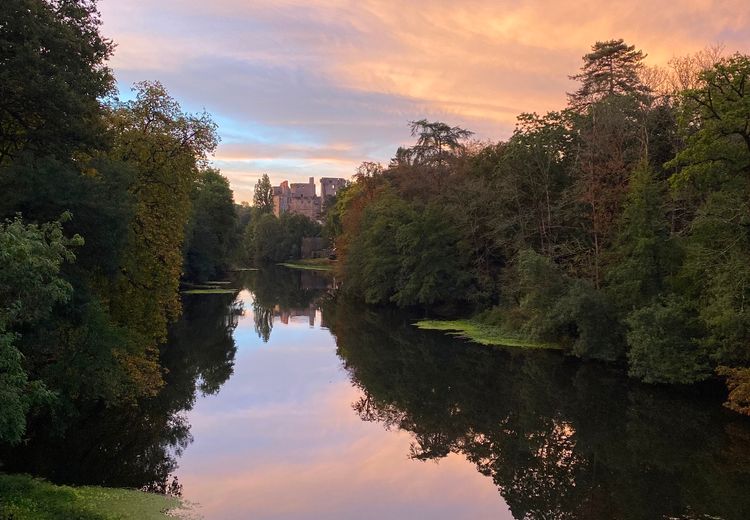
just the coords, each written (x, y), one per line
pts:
(373, 265)
(644, 255)
(26, 498)
(166, 147)
(567, 232)
(611, 68)
(436, 143)
(715, 121)
(434, 265)
(271, 240)
(30, 284)
(663, 343)
(482, 333)
(263, 195)
(52, 75)
(566, 310)
(211, 230)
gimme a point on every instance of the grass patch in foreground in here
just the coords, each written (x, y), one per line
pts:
(482, 334)
(314, 264)
(215, 290)
(26, 498)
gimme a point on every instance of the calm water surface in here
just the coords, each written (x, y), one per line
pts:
(283, 403)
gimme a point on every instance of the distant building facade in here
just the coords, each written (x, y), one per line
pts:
(302, 199)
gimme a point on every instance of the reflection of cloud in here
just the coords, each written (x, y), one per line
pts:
(281, 440)
(295, 74)
(316, 459)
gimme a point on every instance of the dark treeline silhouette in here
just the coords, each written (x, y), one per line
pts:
(616, 227)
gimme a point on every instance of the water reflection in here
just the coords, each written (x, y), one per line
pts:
(560, 438)
(137, 444)
(281, 294)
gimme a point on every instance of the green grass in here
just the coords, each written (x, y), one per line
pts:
(214, 290)
(313, 264)
(483, 334)
(26, 498)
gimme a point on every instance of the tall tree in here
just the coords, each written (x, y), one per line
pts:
(211, 230)
(263, 195)
(167, 148)
(611, 68)
(52, 76)
(436, 142)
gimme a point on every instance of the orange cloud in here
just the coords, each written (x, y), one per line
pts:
(312, 74)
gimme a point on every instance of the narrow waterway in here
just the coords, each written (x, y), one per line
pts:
(283, 403)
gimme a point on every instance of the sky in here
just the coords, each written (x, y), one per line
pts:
(305, 88)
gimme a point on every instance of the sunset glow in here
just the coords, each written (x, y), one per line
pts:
(304, 89)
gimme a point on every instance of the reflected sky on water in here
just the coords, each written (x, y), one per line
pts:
(281, 440)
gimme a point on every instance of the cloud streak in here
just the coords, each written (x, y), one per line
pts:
(297, 82)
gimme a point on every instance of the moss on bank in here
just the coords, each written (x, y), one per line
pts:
(26, 498)
(314, 264)
(483, 334)
(209, 291)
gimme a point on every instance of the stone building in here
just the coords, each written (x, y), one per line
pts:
(302, 199)
(330, 186)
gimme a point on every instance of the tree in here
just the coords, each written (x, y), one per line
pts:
(643, 254)
(609, 109)
(30, 284)
(715, 165)
(263, 196)
(611, 68)
(167, 148)
(663, 343)
(211, 230)
(716, 124)
(437, 142)
(52, 76)
(434, 265)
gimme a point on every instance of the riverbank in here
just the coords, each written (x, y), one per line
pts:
(26, 498)
(483, 334)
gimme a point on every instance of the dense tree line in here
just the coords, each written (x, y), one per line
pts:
(106, 205)
(616, 227)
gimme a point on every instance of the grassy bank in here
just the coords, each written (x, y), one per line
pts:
(482, 333)
(313, 264)
(26, 498)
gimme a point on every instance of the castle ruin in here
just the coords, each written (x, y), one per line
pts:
(301, 198)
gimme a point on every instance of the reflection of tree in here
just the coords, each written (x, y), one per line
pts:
(286, 289)
(560, 439)
(263, 320)
(137, 444)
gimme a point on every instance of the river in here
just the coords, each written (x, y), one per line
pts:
(284, 403)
